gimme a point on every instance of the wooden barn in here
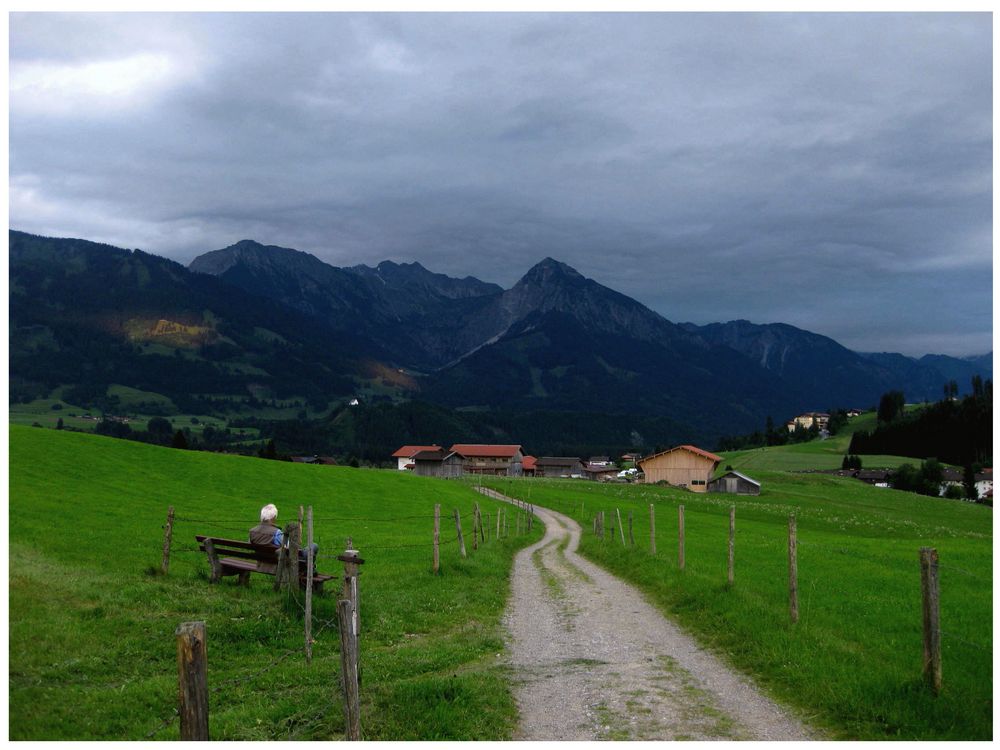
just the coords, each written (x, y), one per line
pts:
(734, 483)
(437, 463)
(499, 460)
(683, 466)
(558, 466)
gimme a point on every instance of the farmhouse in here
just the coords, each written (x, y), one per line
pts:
(528, 466)
(984, 483)
(807, 420)
(499, 460)
(683, 466)
(558, 466)
(876, 477)
(600, 472)
(404, 456)
(437, 463)
(735, 483)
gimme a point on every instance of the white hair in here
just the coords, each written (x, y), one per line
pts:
(268, 513)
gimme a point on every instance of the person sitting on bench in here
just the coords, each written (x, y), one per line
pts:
(268, 532)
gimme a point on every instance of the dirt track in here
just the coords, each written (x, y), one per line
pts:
(594, 660)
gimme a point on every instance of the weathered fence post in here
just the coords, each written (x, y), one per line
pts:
(475, 528)
(310, 568)
(352, 569)
(680, 537)
(498, 524)
(631, 538)
(930, 591)
(621, 529)
(349, 670)
(458, 528)
(482, 531)
(281, 573)
(793, 572)
(168, 534)
(732, 543)
(294, 543)
(437, 538)
(192, 680)
(652, 530)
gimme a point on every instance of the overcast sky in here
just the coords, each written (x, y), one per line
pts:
(833, 172)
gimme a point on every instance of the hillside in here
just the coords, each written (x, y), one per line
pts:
(92, 647)
(92, 316)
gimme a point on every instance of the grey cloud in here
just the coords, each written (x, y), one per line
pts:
(832, 171)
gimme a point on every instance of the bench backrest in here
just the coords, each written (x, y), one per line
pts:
(267, 553)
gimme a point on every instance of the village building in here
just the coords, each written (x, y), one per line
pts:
(558, 466)
(437, 463)
(984, 483)
(321, 460)
(599, 461)
(683, 466)
(498, 460)
(528, 466)
(404, 456)
(734, 483)
(629, 460)
(875, 477)
(600, 472)
(807, 420)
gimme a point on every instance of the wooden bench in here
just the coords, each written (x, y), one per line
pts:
(231, 557)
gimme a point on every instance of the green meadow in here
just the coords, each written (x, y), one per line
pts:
(92, 621)
(852, 664)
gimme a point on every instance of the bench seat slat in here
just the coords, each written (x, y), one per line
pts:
(247, 557)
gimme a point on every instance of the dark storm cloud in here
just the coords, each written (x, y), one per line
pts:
(832, 171)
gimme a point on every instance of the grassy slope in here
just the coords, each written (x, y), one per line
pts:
(92, 652)
(853, 662)
(816, 454)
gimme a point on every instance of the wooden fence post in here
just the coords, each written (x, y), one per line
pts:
(621, 529)
(349, 670)
(192, 680)
(352, 569)
(680, 537)
(168, 534)
(631, 538)
(482, 531)
(310, 568)
(475, 528)
(732, 543)
(793, 572)
(458, 528)
(437, 538)
(294, 543)
(498, 524)
(930, 591)
(652, 530)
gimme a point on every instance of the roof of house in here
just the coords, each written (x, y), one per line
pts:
(737, 474)
(485, 451)
(407, 451)
(528, 463)
(873, 474)
(435, 455)
(689, 448)
(558, 461)
(600, 468)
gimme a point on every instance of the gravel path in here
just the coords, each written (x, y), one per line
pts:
(595, 660)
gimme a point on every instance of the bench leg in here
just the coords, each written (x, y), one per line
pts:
(245, 578)
(213, 560)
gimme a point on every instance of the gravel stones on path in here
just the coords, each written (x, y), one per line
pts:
(593, 659)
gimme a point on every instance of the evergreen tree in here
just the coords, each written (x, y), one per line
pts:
(179, 441)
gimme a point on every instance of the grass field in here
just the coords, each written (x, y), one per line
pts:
(852, 664)
(816, 454)
(92, 647)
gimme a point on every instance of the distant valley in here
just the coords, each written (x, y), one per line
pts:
(274, 333)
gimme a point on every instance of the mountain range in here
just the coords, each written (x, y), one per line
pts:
(255, 321)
